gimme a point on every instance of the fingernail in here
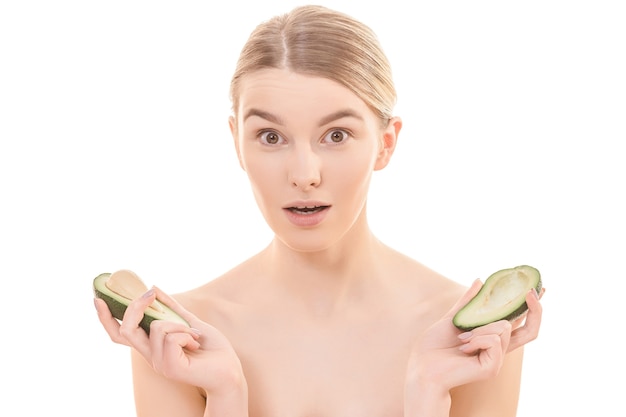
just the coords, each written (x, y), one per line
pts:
(465, 336)
(534, 290)
(196, 331)
(148, 293)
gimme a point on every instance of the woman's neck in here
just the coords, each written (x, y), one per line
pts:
(328, 279)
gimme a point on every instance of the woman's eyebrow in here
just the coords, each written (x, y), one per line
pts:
(264, 115)
(339, 115)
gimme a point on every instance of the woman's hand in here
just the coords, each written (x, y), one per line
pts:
(446, 357)
(198, 355)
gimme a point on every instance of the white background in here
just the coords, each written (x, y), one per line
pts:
(115, 153)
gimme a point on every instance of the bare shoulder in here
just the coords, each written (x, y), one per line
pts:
(420, 274)
(220, 296)
(431, 291)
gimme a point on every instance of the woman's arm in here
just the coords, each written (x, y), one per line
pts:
(158, 396)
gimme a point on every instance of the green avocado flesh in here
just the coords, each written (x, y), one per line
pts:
(128, 286)
(502, 297)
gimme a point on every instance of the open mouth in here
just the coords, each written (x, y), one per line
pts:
(307, 210)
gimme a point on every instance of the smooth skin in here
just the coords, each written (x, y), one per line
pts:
(326, 320)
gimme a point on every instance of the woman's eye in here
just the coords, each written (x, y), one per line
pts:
(270, 138)
(336, 136)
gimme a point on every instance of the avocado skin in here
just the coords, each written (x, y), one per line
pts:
(511, 316)
(118, 307)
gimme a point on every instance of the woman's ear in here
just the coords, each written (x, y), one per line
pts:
(388, 143)
(232, 124)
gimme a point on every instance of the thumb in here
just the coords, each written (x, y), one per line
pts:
(172, 303)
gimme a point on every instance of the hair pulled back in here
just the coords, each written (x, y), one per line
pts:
(317, 41)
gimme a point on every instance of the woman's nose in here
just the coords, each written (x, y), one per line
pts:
(304, 170)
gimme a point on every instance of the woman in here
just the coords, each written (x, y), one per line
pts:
(326, 320)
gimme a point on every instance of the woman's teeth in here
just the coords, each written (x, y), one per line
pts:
(306, 210)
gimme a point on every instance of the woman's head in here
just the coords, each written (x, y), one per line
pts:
(313, 100)
(314, 40)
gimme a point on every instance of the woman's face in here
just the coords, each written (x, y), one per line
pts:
(309, 147)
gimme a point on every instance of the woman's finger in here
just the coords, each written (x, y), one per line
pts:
(489, 354)
(170, 344)
(530, 330)
(482, 342)
(133, 315)
(163, 333)
(175, 354)
(110, 323)
(166, 327)
(211, 337)
(172, 303)
(501, 329)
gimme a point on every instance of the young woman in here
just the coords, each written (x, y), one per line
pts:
(326, 320)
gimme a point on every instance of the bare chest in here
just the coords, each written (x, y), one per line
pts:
(298, 369)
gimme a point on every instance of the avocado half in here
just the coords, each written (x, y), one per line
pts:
(502, 297)
(122, 287)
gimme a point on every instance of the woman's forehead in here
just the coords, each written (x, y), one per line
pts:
(288, 81)
(281, 91)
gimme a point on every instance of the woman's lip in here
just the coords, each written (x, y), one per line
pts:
(304, 219)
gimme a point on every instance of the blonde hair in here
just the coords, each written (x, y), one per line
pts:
(315, 40)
